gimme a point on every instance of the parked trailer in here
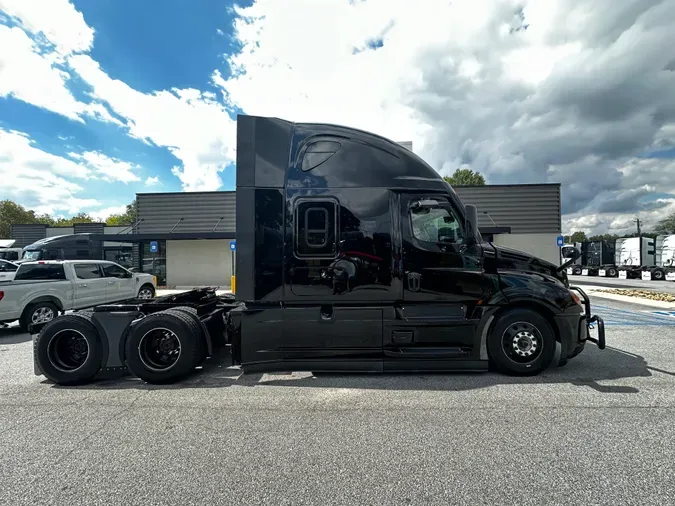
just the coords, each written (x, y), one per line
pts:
(637, 258)
(665, 258)
(597, 256)
(353, 255)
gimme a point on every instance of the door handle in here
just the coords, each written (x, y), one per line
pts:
(82, 286)
(111, 282)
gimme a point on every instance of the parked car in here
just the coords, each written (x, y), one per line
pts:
(40, 290)
(7, 270)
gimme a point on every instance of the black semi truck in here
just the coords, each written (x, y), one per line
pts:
(354, 255)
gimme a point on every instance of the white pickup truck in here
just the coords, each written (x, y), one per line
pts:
(40, 290)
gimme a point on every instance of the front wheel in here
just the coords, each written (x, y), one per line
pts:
(658, 275)
(576, 270)
(521, 342)
(611, 272)
(146, 292)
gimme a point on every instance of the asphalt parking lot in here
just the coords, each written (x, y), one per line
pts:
(600, 430)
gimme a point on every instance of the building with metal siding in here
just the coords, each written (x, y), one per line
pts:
(192, 231)
(526, 209)
(26, 234)
(189, 212)
(531, 212)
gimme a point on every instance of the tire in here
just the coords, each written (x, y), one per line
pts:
(146, 292)
(69, 350)
(658, 275)
(515, 357)
(195, 325)
(37, 311)
(181, 348)
(576, 270)
(611, 272)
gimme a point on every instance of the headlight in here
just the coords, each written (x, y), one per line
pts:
(576, 298)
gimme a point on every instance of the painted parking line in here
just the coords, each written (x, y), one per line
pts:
(615, 317)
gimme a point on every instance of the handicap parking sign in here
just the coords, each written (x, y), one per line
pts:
(560, 241)
(154, 247)
(233, 245)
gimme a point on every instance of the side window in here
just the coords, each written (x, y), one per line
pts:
(316, 228)
(8, 267)
(52, 254)
(87, 271)
(113, 271)
(436, 222)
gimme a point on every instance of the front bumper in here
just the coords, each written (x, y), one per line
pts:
(588, 321)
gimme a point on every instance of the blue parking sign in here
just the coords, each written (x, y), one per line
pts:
(154, 247)
(233, 245)
(560, 241)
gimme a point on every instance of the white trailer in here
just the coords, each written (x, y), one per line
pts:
(665, 255)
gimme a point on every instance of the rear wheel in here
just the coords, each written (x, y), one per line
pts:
(162, 348)
(658, 275)
(521, 342)
(68, 349)
(38, 313)
(611, 272)
(576, 270)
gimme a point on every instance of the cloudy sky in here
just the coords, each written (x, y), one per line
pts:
(100, 100)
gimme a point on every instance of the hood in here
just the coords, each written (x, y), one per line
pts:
(515, 260)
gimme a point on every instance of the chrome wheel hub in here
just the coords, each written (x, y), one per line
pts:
(525, 344)
(42, 315)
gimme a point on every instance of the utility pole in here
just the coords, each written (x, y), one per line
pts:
(639, 230)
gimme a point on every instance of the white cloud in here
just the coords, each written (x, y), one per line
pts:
(530, 91)
(57, 20)
(152, 181)
(16, 148)
(30, 76)
(110, 169)
(38, 179)
(103, 214)
(193, 126)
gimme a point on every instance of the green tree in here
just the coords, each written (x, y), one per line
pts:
(666, 226)
(604, 237)
(578, 236)
(463, 177)
(13, 213)
(128, 218)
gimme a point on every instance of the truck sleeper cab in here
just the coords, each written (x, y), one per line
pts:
(355, 255)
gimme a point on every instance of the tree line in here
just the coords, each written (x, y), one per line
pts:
(12, 213)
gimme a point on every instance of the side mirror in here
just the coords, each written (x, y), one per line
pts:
(471, 219)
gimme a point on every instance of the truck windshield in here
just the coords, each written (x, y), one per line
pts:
(32, 255)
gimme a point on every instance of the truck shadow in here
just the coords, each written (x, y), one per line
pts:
(585, 370)
(13, 335)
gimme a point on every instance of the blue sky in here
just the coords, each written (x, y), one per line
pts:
(102, 99)
(150, 47)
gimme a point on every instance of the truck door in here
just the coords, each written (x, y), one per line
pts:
(90, 285)
(324, 320)
(119, 283)
(443, 283)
